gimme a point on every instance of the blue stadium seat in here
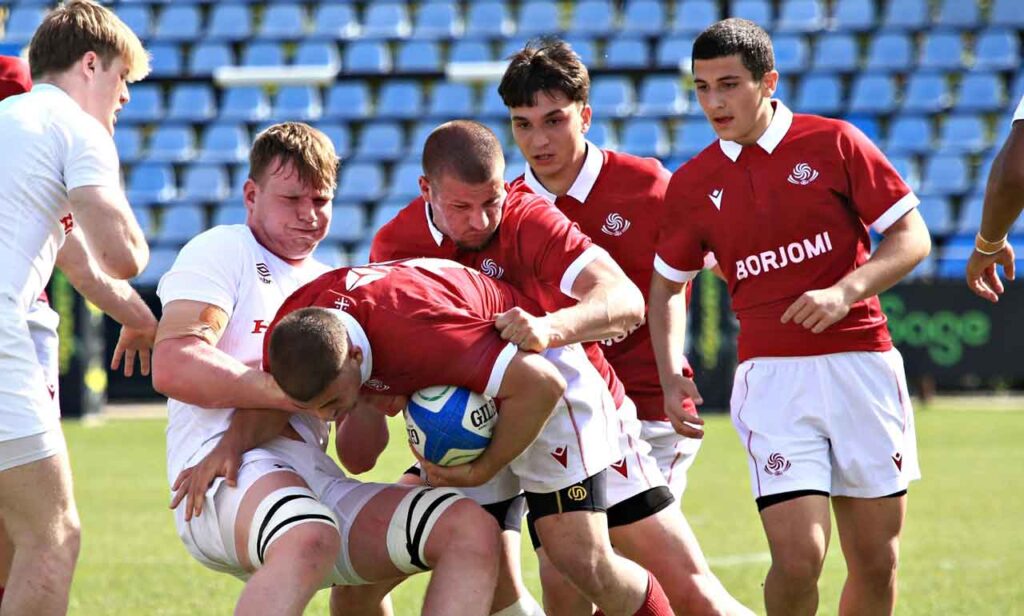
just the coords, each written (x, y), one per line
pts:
(953, 259)
(128, 140)
(22, 23)
(171, 144)
(997, 50)
(821, 94)
(437, 20)
(192, 103)
(981, 92)
(602, 134)
(348, 100)
(178, 22)
(137, 17)
(791, 53)
(145, 105)
(421, 130)
(627, 53)
(331, 255)
(418, 57)
(593, 17)
(160, 261)
(450, 101)
(612, 97)
(334, 22)
(854, 15)
(1006, 13)
(386, 20)
(381, 141)
(297, 103)
(962, 134)
(867, 124)
(244, 104)
(209, 56)
(907, 168)
(970, 214)
(204, 183)
(800, 16)
(514, 164)
(263, 53)
(945, 175)
(488, 20)
(367, 57)
(836, 53)
(405, 181)
(692, 136)
(348, 223)
(782, 89)
(941, 50)
(674, 52)
(757, 11)
(382, 214)
(181, 223)
(491, 105)
(889, 51)
(229, 22)
(283, 22)
(586, 48)
(144, 216)
(645, 137)
(165, 60)
(239, 175)
(693, 16)
(927, 93)
(537, 17)
(224, 143)
(229, 214)
(400, 99)
(339, 135)
(906, 15)
(470, 51)
(959, 14)
(317, 53)
(643, 17)
(361, 182)
(151, 183)
(873, 94)
(909, 134)
(937, 214)
(661, 96)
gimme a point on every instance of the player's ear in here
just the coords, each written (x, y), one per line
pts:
(769, 83)
(424, 188)
(587, 114)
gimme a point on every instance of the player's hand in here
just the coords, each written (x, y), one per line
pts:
(131, 343)
(681, 400)
(524, 330)
(982, 276)
(817, 310)
(467, 475)
(389, 404)
(193, 482)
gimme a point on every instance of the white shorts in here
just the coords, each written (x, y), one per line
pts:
(673, 452)
(840, 424)
(26, 408)
(637, 470)
(42, 326)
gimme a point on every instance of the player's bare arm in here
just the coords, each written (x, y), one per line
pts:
(362, 436)
(114, 236)
(905, 244)
(610, 306)
(1003, 204)
(188, 366)
(529, 391)
(114, 297)
(667, 322)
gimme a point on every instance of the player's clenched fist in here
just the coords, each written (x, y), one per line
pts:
(817, 310)
(524, 330)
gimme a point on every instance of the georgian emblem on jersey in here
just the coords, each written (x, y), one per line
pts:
(263, 272)
(777, 464)
(361, 276)
(716, 197)
(802, 174)
(615, 225)
(492, 269)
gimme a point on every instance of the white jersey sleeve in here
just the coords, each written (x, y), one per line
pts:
(1019, 114)
(208, 269)
(91, 156)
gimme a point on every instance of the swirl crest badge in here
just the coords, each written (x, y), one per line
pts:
(777, 464)
(802, 174)
(615, 225)
(492, 269)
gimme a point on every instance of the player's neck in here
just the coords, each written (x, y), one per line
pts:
(559, 183)
(266, 246)
(64, 83)
(765, 113)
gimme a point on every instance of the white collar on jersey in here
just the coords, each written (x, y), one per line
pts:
(434, 231)
(357, 335)
(584, 183)
(772, 136)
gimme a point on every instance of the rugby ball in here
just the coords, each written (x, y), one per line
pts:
(450, 425)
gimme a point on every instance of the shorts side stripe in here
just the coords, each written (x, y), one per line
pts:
(750, 433)
(579, 439)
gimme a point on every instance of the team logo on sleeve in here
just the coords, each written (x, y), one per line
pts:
(615, 225)
(777, 464)
(492, 269)
(263, 272)
(716, 197)
(802, 174)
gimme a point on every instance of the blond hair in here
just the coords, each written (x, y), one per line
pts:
(309, 151)
(79, 26)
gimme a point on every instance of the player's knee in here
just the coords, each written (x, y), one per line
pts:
(878, 564)
(586, 560)
(315, 545)
(475, 531)
(799, 567)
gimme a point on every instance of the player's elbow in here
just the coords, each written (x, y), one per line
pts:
(630, 307)
(168, 378)
(549, 387)
(357, 464)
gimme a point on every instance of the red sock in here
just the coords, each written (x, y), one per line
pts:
(655, 603)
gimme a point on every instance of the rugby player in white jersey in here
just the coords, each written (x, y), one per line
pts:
(64, 173)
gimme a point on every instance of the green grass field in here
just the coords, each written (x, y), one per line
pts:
(962, 549)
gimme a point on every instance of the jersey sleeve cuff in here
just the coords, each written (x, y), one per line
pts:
(572, 272)
(908, 202)
(499, 368)
(671, 273)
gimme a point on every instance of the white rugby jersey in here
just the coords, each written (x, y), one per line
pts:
(51, 146)
(226, 267)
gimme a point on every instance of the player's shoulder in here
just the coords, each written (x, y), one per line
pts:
(405, 223)
(811, 125)
(704, 163)
(221, 241)
(630, 165)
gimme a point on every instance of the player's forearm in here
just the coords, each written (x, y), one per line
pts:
(601, 314)
(1004, 193)
(666, 320)
(905, 245)
(362, 436)
(250, 428)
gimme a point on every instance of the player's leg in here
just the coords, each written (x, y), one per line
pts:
(560, 596)
(869, 533)
(798, 532)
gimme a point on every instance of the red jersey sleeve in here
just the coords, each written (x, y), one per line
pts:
(876, 191)
(554, 246)
(679, 254)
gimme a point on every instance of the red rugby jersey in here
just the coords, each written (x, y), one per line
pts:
(536, 249)
(783, 217)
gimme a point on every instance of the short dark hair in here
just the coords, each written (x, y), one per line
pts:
(307, 350)
(546, 64)
(737, 36)
(465, 149)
